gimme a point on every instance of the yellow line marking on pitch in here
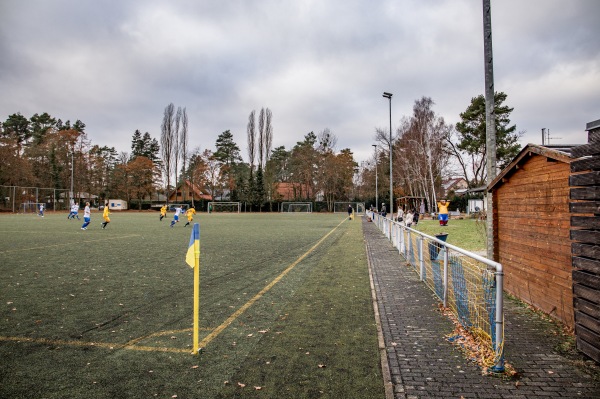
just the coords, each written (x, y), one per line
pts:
(107, 345)
(71, 243)
(262, 292)
(58, 342)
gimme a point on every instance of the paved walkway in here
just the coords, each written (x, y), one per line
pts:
(423, 364)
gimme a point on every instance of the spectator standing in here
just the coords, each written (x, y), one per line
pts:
(443, 212)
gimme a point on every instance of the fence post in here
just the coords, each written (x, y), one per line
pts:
(402, 247)
(445, 276)
(499, 344)
(409, 249)
(421, 261)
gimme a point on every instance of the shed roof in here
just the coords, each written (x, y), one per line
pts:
(560, 153)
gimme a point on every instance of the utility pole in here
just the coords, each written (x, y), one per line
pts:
(376, 188)
(490, 121)
(490, 142)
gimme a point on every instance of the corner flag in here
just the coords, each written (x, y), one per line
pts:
(194, 247)
(192, 258)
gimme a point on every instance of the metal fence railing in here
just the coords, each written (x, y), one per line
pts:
(471, 286)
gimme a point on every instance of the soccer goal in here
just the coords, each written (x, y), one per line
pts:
(305, 207)
(342, 207)
(31, 207)
(225, 207)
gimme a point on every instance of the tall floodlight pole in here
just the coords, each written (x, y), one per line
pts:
(376, 189)
(72, 197)
(490, 121)
(389, 97)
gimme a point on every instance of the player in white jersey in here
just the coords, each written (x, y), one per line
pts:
(87, 216)
(74, 212)
(176, 216)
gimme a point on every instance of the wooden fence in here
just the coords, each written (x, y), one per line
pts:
(585, 232)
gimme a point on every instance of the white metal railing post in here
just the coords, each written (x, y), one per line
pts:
(499, 344)
(410, 249)
(400, 235)
(421, 261)
(445, 276)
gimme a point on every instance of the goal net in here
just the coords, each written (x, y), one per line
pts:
(342, 207)
(305, 207)
(31, 207)
(224, 207)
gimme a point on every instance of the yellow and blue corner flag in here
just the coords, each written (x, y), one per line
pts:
(192, 256)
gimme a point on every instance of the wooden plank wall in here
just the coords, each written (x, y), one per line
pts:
(532, 225)
(585, 232)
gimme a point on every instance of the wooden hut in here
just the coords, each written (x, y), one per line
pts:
(531, 229)
(186, 190)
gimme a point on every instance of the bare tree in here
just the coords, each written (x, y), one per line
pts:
(423, 146)
(268, 134)
(326, 140)
(251, 131)
(176, 146)
(166, 144)
(261, 137)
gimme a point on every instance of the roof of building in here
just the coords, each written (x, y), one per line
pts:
(560, 153)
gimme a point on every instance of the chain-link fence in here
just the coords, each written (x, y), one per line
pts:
(19, 199)
(467, 284)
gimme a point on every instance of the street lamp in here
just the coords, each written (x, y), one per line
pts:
(356, 182)
(376, 189)
(389, 97)
(72, 196)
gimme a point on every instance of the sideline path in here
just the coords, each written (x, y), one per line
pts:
(423, 364)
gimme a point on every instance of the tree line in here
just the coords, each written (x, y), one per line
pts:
(43, 151)
(426, 150)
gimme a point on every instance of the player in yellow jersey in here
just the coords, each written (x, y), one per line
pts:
(105, 216)
(443, 212)
(163, 212)
(190, 215)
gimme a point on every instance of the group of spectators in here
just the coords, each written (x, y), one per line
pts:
(411, 216)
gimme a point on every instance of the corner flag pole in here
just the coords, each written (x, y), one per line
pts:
(193, 260)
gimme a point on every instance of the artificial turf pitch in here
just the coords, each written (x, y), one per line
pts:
(285, 308)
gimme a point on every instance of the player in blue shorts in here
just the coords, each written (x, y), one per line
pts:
(74, 212)
(87, 216)
(176, 216)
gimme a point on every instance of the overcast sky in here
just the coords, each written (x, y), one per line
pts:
(116, 64)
